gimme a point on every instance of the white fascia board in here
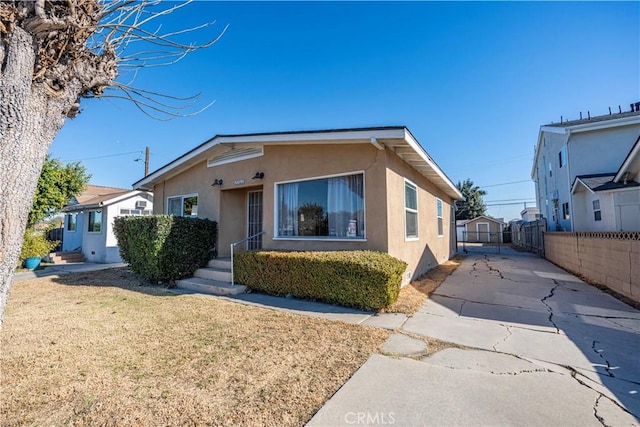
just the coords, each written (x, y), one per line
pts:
(122, 197)
(141, 184)
(363, 136)
(432, 165)
(635, 152)
(296, 138)
(605, 124)
(579, 182)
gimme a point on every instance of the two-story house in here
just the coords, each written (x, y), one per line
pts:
(572, 150)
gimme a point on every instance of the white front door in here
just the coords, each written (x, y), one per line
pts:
(483, 232)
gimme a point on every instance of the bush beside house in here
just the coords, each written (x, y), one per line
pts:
(165, 247)
(36, 245)
(362, 279)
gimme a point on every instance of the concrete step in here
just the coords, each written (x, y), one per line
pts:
(66, 257)
(210, 287)
(220, 263)
(214, 274)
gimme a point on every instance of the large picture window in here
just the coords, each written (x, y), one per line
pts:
(183, 205)
(331, 208)
(410, 210)
(95, 221)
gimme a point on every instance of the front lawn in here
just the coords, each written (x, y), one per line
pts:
(97, 348)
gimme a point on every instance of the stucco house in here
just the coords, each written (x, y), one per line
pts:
(578, 148)
(88, 220)
(346, 189)
(482, 229)
(609, 201)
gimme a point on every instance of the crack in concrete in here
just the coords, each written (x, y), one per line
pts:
(461, 306)
(595, 411)
(544, 301)
(599, 353)
(574, 375)
(503, 339)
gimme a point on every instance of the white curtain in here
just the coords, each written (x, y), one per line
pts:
(345, 205)
(288, 209)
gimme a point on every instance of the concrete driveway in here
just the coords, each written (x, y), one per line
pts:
(536, 347)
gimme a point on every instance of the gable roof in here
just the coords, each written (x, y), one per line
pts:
(466, 221)
(97, 196)
(397, 138)
(600, 182)
(631, 163)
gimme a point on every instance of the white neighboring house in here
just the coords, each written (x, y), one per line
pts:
(609, 201)
(530, 214)
(88, 225)
(596, 145)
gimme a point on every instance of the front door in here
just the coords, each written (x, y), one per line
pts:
(483, 232)
(254, 219)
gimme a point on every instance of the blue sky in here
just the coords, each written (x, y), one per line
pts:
(472, 81)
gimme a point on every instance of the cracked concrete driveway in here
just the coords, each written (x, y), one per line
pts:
(537, 347)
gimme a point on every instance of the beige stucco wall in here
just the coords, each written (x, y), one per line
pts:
(281, 163)
(384, 174)
(611, 262)
(429, 249)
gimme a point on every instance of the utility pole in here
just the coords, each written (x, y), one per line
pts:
(146, 161)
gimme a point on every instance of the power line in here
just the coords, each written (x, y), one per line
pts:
(505, 183)
(530, 199)
(105, 156)
(505, 204)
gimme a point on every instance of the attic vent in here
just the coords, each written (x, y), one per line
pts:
(235, 155)
(141, 204)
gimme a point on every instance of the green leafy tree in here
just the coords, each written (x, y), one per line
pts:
(57, 184)
(473, 206)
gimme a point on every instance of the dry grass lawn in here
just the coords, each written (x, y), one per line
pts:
(99, 349)
(415, 294)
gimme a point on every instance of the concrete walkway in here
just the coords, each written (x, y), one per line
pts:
(60, 269)
(537, 347)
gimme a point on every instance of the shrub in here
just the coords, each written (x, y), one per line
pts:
(165, 247)
(35, 244)
(362, 279)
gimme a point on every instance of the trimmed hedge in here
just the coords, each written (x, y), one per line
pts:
(362, 279)
(165, 247)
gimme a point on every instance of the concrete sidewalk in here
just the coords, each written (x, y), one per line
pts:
(60, 269)
(540, 348)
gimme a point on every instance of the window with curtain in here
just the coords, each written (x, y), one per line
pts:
(410, 210)
(331, 208)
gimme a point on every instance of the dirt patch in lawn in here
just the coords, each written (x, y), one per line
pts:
(416, 293)
(97, 348)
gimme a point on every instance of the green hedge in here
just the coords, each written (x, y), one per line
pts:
(165, 247)
(362, 279)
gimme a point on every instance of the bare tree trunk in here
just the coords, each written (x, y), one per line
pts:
(30, 118)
